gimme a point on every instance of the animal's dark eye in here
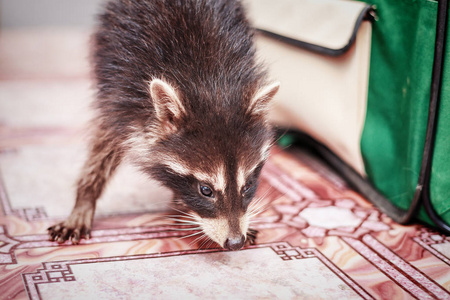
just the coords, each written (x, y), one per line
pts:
(206, 191)
(247, 187)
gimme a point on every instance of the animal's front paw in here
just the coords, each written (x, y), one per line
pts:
(76, 227)
(251, 236)
(62, 232)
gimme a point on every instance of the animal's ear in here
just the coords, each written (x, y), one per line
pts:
(168, 107)
(260, 101)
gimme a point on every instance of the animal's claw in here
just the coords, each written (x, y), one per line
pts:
(61, 233)
(251, 236)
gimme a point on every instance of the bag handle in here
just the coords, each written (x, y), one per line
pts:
(422, 193)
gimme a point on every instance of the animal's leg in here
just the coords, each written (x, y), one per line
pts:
(104, 157)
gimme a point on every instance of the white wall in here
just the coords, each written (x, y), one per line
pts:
(48, 13)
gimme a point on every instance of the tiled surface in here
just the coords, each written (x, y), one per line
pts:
(317, 238)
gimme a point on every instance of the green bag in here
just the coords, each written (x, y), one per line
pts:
(404, 161)
(404, 144)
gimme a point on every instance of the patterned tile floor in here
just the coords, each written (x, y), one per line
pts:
(317, 238)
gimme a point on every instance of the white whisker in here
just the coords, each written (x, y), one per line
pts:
(198, 238)
(263, 196)
(257, 207)
(180, 216)
(185, 221)
(210, 243)
(207, 239)
(188, 229)
(257, 210)
(259, 199)
(185, 213)
(191, 235)
(184, 225)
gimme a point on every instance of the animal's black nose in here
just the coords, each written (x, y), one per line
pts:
(235, 243)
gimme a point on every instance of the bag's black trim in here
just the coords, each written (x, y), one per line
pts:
(435, 95)
(367, 13)
(353, 178)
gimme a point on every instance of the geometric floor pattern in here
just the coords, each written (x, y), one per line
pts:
(318, 239)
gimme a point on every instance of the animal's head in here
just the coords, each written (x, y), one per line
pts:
(210, 153)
